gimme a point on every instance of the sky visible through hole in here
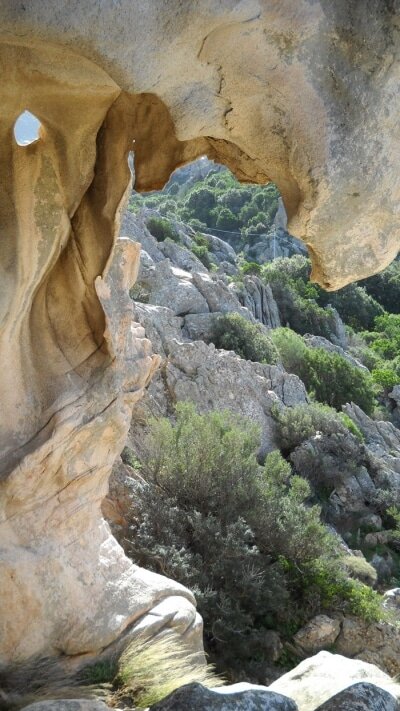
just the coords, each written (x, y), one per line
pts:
(26, 129)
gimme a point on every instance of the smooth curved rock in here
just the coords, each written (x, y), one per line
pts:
(361, 697)
(76, 361)
(317, 679)
(232, 75)
(198, 698)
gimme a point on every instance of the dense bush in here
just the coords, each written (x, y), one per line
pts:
(385, 287)
(329, 377)
(290, 276)
(295, 297)
(216, 200)
(243, 537)
(161, 229)
(233, 332)
(297, 424)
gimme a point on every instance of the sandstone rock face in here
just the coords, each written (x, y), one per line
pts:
(197, 698)
(321, 677)
(76, 362)
(233, 73)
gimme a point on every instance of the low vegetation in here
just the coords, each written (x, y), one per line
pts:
(233, 332)
(245, 538)
(328, 377)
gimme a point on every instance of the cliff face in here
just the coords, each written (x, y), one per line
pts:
(301, 93)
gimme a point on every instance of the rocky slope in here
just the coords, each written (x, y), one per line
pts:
(182, 302)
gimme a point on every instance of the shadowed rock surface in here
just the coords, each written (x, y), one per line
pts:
(361, 697)
(197, 698)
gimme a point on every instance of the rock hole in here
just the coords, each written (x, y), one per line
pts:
(26, 129)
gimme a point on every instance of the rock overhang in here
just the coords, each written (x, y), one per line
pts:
(303, 94)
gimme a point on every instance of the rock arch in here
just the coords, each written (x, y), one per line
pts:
(303, 93)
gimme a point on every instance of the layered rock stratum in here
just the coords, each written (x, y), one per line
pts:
(304, 94)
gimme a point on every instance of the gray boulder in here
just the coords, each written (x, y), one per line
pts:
(68, 705)
(219, 380)
(222, 251)
(134, 227)
(160, 324)
(175, 288)
(218, 295)
(361, 697)
(195, 697)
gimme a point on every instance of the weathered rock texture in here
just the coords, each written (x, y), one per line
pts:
(180, 82)
(74, 362)
(197, 698)
(361, 697)
(233, 74)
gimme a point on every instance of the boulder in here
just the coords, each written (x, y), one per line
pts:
(181, 256)
(68, 705)
(234, 698)
(374, 642)
(218, 295)
(392, 599)
(222, 251)
(317, 679)
(134, 227)
(361, 697)
(200, 327)
(321, 632)
(160, 324)
(177, 288)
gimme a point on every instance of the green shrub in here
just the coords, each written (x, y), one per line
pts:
(360, 569)
(202, 240)
(202, 253)
(385, 287)
(329, 377)
(250, 268)
(297, 424)
(243, 537)
(161, 229)
(385, 377)
(233, 332)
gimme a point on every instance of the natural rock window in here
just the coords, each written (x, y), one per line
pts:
(26, 129)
